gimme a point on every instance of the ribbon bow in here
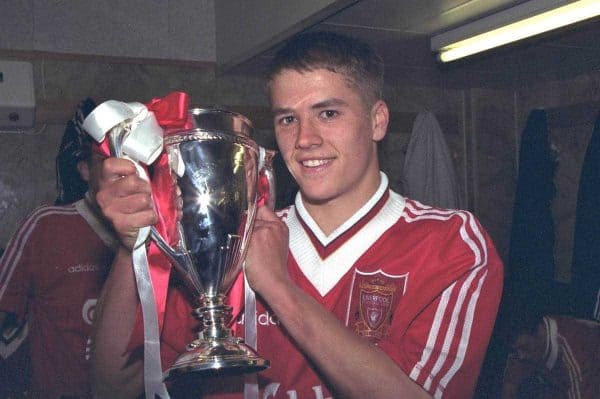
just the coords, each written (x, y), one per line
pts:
(142, 125)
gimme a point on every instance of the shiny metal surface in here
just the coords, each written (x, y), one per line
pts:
(219, 120)
(218, 188)
(207, 357)
(215, 164)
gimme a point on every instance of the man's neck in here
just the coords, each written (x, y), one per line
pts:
(330, 215)
(327, 216)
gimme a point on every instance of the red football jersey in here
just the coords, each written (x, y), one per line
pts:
(422, 283)
(572, 356)
(50, 277)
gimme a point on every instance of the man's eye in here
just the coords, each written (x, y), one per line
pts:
(286, 120)
(328, 114)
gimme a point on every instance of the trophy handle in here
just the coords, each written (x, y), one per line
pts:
(266, 177)
(180, 259)
(116, 137)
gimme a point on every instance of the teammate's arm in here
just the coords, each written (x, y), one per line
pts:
(126, 202)
(114, 373)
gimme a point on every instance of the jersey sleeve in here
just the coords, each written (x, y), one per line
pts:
(16, 266)
(455, 303)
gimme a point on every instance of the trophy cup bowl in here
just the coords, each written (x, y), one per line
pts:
(215, 166)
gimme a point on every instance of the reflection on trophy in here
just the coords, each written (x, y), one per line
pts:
(216, 166)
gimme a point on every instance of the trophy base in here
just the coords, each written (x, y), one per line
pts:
(227, 356)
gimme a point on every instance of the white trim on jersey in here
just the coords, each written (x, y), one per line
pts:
(476, 276)
(551, 334)
(572, 367)
(324, 274)
(559, 347)
(84, 209)
(8, 347)
(348, 224)
(464, 341)
(547, 338)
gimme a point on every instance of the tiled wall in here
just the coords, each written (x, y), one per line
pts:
(482, 128)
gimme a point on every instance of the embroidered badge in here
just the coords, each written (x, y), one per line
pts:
(374, 298)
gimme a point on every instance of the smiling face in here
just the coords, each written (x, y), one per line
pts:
(327, 136)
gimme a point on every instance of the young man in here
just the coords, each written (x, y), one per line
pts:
(52, 271)
(367, 294)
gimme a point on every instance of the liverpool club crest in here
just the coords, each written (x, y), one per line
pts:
(374, 298)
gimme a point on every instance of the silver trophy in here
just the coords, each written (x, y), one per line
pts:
(216, 167)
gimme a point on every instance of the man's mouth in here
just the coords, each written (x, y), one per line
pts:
(314, 163)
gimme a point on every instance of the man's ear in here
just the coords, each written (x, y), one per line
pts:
(380, 117)
(84, 170)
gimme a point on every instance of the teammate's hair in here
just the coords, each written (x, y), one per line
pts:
(359, 63)
(529, 323)
(75, 146)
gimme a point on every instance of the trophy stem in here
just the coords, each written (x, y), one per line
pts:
(215, 317)
(216, 351)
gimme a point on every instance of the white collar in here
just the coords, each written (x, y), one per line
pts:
(325, 273)
(326, 239)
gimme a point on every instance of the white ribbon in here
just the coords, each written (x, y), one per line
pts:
(141, 143)
(144, 141)
(250, 336)
(250, 326)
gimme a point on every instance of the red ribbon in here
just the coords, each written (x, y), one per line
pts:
(102, 148)
(171, 113)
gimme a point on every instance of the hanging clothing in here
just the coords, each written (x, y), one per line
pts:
(531, 256)
(585, 269)
(428, 174)
(530, 268)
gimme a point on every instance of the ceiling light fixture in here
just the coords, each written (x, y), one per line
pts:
(516, 23)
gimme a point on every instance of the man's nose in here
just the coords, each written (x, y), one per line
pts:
(308, 135)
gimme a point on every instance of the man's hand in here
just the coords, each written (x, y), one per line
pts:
(266, 260)
(125, 199)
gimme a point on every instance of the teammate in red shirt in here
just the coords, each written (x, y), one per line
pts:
(362, 293)
(558, 359)
(50, 278)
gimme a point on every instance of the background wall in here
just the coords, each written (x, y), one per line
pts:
(158, 29)
(75, 58)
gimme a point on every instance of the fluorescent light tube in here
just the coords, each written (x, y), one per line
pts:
(521, 24)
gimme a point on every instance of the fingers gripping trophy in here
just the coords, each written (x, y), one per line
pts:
(216, 166)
